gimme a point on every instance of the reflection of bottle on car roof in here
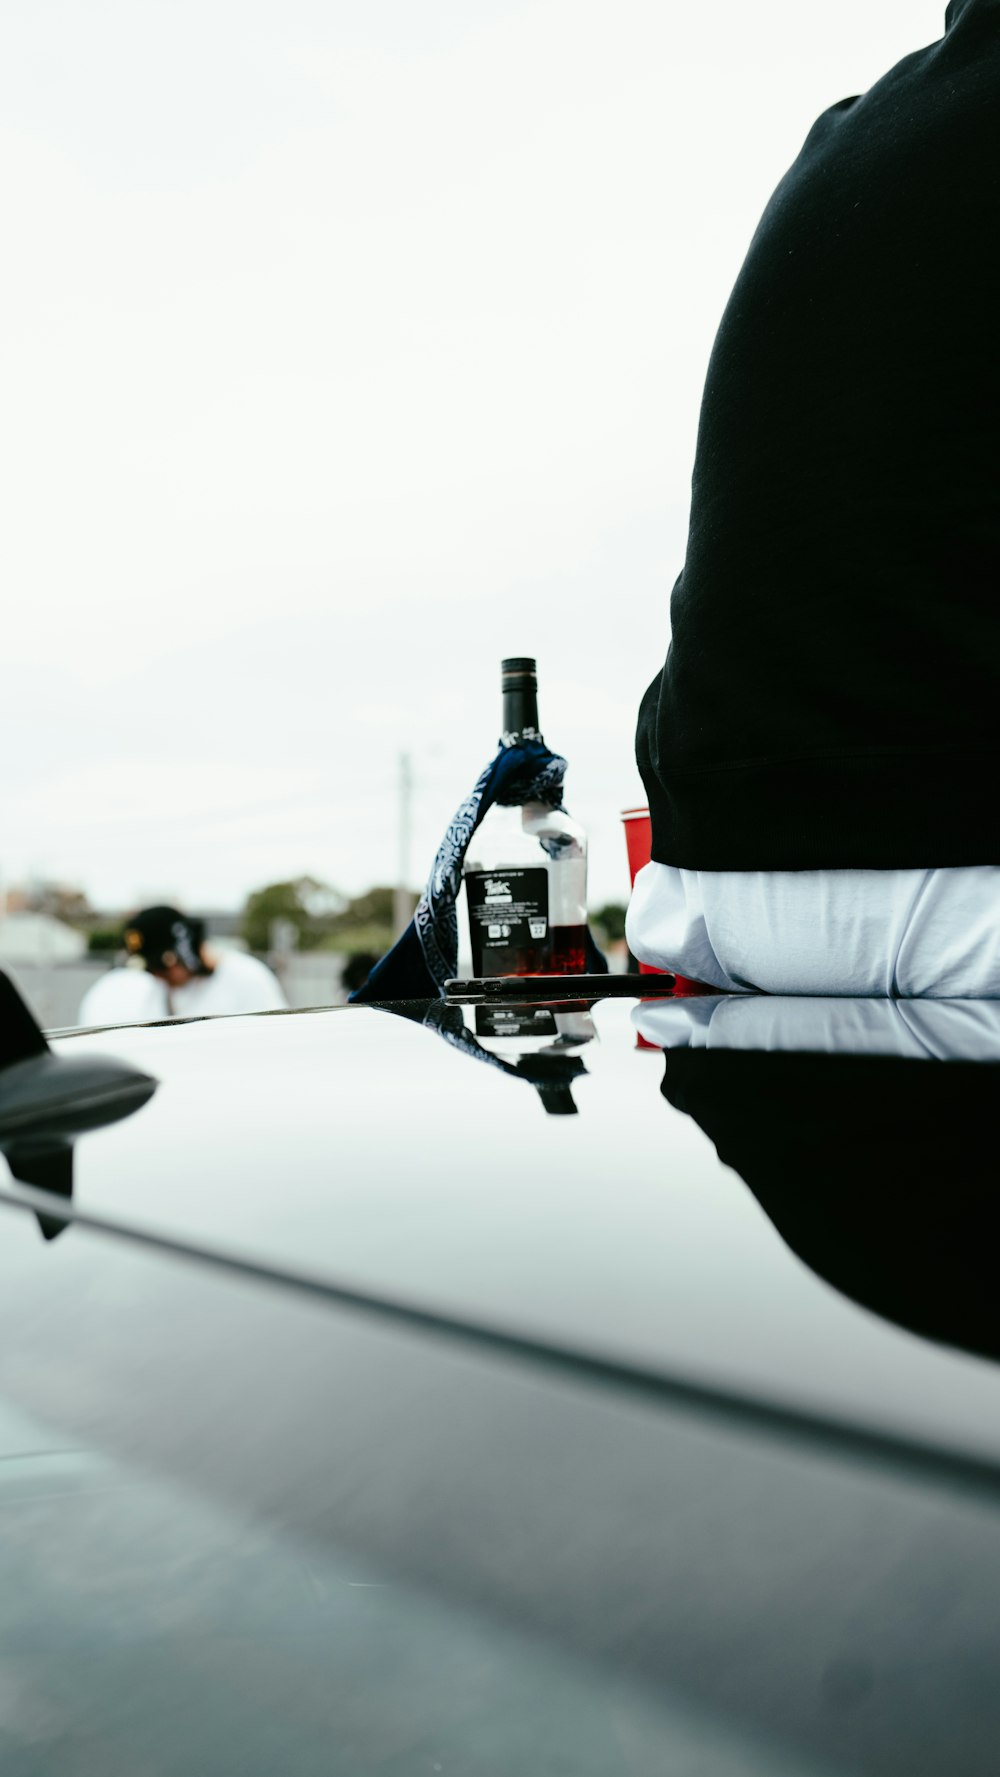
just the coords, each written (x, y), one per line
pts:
(172, 973)
(545, 1066)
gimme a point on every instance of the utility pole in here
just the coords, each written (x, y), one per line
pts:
(401, 911)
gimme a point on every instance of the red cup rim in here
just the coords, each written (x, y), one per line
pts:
(635, 814)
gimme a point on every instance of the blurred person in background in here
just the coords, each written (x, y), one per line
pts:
(356, 970)
(172, 973)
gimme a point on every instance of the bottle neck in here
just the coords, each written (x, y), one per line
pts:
(520, 713)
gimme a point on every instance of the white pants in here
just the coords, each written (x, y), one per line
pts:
(907, 934)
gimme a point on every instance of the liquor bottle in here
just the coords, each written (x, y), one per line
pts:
(526, 868)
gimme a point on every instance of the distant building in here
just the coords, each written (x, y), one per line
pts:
(58, 900)
(37, 938)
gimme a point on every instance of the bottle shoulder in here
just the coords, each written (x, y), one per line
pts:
(558, 834)
(533, 833)
(500, 838)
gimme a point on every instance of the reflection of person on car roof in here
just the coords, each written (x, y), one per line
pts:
(867, 1132)
(916, 1030)
(178, 976)
(820, 748)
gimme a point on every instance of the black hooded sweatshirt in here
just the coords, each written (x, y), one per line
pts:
(831, 697)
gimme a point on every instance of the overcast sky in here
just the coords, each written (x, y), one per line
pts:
(347, 348)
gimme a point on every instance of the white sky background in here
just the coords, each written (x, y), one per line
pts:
(347, 348)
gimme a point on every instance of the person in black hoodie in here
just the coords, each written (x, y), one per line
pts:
(820, 749)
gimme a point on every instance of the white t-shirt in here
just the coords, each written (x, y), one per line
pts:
(123, 996)
(237, 983)
(909, 934)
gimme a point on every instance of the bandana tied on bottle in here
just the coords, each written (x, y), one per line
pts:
(426, 956)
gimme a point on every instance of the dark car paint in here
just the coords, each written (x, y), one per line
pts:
(588, 1416)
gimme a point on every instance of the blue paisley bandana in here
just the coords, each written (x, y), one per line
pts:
(426, 956)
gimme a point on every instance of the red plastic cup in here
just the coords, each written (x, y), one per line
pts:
(639, 840)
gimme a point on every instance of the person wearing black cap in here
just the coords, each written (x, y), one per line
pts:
(820, 749)
(177, 976)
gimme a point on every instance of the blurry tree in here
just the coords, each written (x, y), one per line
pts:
(103, 939)
(306, 903)
(373, 908)
(366, 923)
(322, 918)
(610, 920)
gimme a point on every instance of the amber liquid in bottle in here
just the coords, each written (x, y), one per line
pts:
(567, 950)
(494, 958)
(562, 952)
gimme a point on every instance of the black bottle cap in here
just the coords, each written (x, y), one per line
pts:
(519, 690)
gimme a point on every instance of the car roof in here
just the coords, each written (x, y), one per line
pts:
(354, 1149)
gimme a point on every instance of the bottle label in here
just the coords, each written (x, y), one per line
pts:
(508, 911)
(511, 1021)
